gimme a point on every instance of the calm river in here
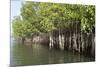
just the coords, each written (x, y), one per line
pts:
(23, 55)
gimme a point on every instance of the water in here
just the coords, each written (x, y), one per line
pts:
(36, 54)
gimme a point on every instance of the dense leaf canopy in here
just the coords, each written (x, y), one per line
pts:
(45, 17)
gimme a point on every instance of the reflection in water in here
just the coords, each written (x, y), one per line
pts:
(36, 54)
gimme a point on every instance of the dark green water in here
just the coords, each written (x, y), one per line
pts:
(35, 54)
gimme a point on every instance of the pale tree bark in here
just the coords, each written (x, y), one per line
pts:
(75, 36)
(75, 44)
(61, 41)
(82, 42)
(78, 36)
(50, 40)
(70, 40)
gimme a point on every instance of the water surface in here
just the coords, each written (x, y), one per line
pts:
(36, 54)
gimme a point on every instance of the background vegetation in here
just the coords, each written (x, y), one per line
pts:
(69, 26)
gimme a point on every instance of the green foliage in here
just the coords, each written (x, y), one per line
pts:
(29, 14)
(46, 17)
(17, 27)
(46, 25)
(22, 28)
(88, 18)
(54, 12)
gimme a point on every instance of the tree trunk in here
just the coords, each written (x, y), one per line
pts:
(75, 36)
(79, 42)
(50, 40)
(93, 45)
(82, 42)
(78, 36)
(38, 39)
(61, 39)
(66, 40)
(75, 43)
(23, 40)
(70, 40)
(62, 42)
